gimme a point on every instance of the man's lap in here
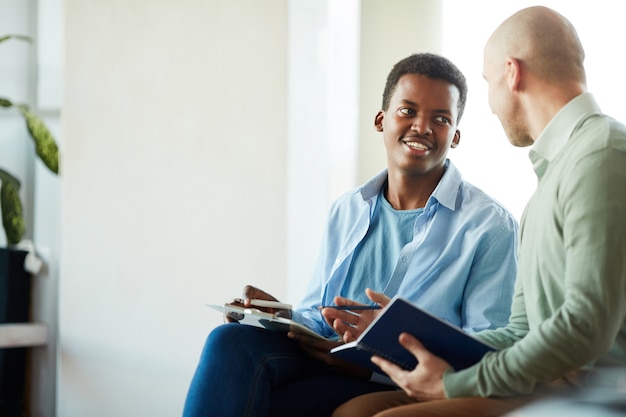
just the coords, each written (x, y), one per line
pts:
(399, 404)
(319, 395)
(300, 385)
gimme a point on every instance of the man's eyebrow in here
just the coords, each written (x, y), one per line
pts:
(410, 103)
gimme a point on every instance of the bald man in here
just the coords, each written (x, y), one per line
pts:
(569, 311)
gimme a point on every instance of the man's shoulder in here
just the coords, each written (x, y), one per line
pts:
(348, 203)
(615, 134)
(473, 198)
(599, 141)
(358, 196)
(600, 132)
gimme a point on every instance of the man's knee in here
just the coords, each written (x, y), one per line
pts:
(238, 341)
(231, 338)
(369, 404)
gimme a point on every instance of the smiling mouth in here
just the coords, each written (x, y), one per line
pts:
(417, 146)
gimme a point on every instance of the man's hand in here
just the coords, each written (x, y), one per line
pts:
(253, 293)
(349, 325)
(320, 350)
(425, 382)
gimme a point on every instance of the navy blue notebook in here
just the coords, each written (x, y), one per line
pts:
(443, 339)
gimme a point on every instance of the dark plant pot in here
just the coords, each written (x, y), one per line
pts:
(15, 296)
(15, 285)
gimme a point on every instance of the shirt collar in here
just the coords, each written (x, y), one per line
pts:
(445, 193)
(448, 187)
(557, 132)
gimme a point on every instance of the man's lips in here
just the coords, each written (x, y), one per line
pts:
(419, 145)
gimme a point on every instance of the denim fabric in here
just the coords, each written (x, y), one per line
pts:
(246, 371)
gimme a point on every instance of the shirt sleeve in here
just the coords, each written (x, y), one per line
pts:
(306, 312)
(516, 328)
(486, 302)
(585, 326)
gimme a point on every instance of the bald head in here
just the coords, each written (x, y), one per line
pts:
(544, 41)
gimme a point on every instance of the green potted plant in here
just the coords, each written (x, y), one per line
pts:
(47, 150)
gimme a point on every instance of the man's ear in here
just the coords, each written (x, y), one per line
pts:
(514, 73)
(378, 121)
(456, 139)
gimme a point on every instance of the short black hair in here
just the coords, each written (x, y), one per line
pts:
(431, 66)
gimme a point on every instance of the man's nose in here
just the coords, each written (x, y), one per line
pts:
(421, 125)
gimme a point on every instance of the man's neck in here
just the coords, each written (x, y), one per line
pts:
(410, 192)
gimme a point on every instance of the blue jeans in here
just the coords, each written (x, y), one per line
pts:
(246, 371)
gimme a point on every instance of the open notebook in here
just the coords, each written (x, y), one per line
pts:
(258, 318)
(443, 339)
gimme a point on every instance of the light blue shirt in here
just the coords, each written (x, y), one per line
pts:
(460, 265)
(390, 230)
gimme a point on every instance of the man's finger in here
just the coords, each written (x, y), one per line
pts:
(342, 301)
(413, 345)
(335, 314)
(391, 369)
(377, 297)
(348, 336)
(250, 292)
(425, 358)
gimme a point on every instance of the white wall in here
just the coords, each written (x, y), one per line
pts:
(390, 31)
(323, 58)
(173, 193)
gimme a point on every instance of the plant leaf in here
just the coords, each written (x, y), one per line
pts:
(5, 102)
(20, 37)
(11, 206)
(45, 144)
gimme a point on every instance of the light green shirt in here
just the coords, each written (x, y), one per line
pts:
(569, 306)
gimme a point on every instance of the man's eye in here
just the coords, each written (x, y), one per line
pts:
(443, 119)
(406, 111)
